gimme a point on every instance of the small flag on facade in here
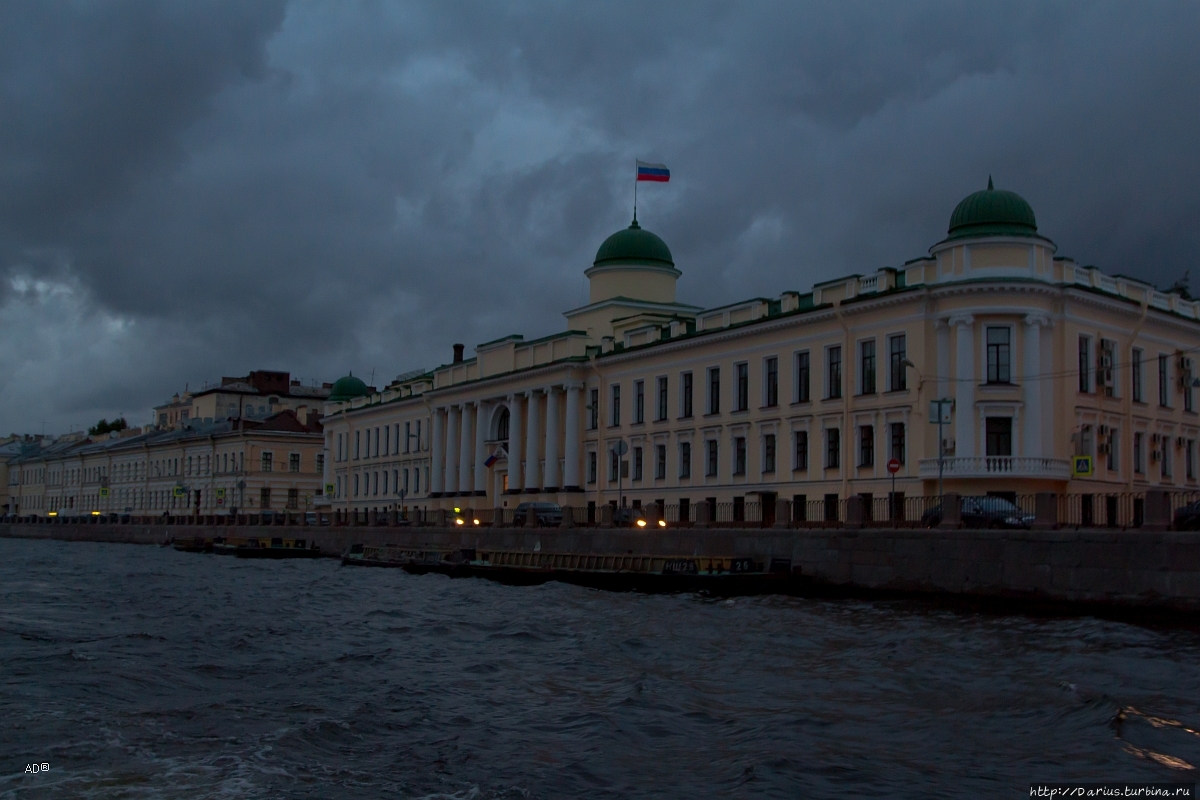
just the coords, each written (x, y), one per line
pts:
(496, 455)
(653, 172)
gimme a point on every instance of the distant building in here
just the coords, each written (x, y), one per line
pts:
(207, 468)
(258, 395)
(804, 396)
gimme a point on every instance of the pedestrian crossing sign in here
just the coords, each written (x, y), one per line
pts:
(1081, 466)
(104, 491)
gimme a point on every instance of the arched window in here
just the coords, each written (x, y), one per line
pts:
(502, 425)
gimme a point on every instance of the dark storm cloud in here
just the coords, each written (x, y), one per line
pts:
(194, 190)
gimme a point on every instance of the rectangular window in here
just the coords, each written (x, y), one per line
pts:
(407, 437)
(742, 378)
(615, 392)
(417, 438)
(802, 377)
(711, 467)
(293, 500)
(866, 354)
(1107, 367)
(396, 442)
(637, 463)
(660, 461)
(685, 459)
(1135, 372)
(1185, 377)
(739, 455)
(662, 398)
(998, 435)
(614, 466)
(356, 444)
(1165, 463)
(833, 372)
(294, 462)
(1189, 458)
(1139, 466)
(833, 448)
(593, 409)
(898, 441)
(685, 395)
(801, 438)
(387, 430)
(1164, 396)
(897, 354)
(714, 390)
(1085, 364)
(266, 461)
(999, 355)
(1110, 446)
(866, 446)
(769, 453)
(591, 467)
(376, 451)
(639, 401)
(771, 371)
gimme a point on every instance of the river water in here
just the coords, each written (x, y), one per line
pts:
(137, 671)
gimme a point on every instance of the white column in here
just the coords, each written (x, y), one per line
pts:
(964, 387)
(552, 478)
(481, 426)
(452, 431)
(943, 358)
(516, 427)
(438, 453)
(533, 431)
(1032, 389)
(573, 437)
(466, 476)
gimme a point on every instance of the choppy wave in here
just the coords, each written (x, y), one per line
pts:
(142, 672)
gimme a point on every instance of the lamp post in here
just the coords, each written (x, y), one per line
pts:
(939, 412)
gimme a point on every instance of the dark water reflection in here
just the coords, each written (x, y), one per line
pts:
(142, 672)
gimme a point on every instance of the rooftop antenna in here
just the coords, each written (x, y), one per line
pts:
(372, 381)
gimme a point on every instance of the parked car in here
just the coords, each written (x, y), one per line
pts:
(546, 514)
(983, 512)
(1187, 518)
(313, 518)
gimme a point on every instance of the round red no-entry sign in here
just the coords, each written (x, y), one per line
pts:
(893, 466)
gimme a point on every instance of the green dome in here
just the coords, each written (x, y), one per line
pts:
(347, 388)
(992, 212)
(634, 245)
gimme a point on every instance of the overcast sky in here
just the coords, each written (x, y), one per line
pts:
(193, 190)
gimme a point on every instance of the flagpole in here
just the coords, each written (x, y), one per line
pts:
(635, 183)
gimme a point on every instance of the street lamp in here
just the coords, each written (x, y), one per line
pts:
(939, 412)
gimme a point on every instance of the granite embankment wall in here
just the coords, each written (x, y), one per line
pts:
(1148, 569)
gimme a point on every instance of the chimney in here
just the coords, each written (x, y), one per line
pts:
(458, 353)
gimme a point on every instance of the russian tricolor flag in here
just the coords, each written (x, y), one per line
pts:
(496, 455)
(652, 172)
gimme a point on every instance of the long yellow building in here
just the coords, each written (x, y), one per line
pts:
(800, 396)
(234, 465)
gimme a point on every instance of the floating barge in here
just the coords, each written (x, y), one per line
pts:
(250, 547)
(628, 572)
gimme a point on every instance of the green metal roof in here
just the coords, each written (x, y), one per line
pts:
(992, 212)
(347, 388)
(634, 245)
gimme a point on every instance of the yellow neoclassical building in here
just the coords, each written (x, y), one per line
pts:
(807, 395)
(235, 465)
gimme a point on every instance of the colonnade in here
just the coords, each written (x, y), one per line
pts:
(539, 429)
(1036, 387)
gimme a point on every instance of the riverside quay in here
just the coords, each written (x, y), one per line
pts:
(1050, 376)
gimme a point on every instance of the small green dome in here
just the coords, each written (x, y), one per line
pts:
(634, 245)
(348, 388)
(992, 212)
